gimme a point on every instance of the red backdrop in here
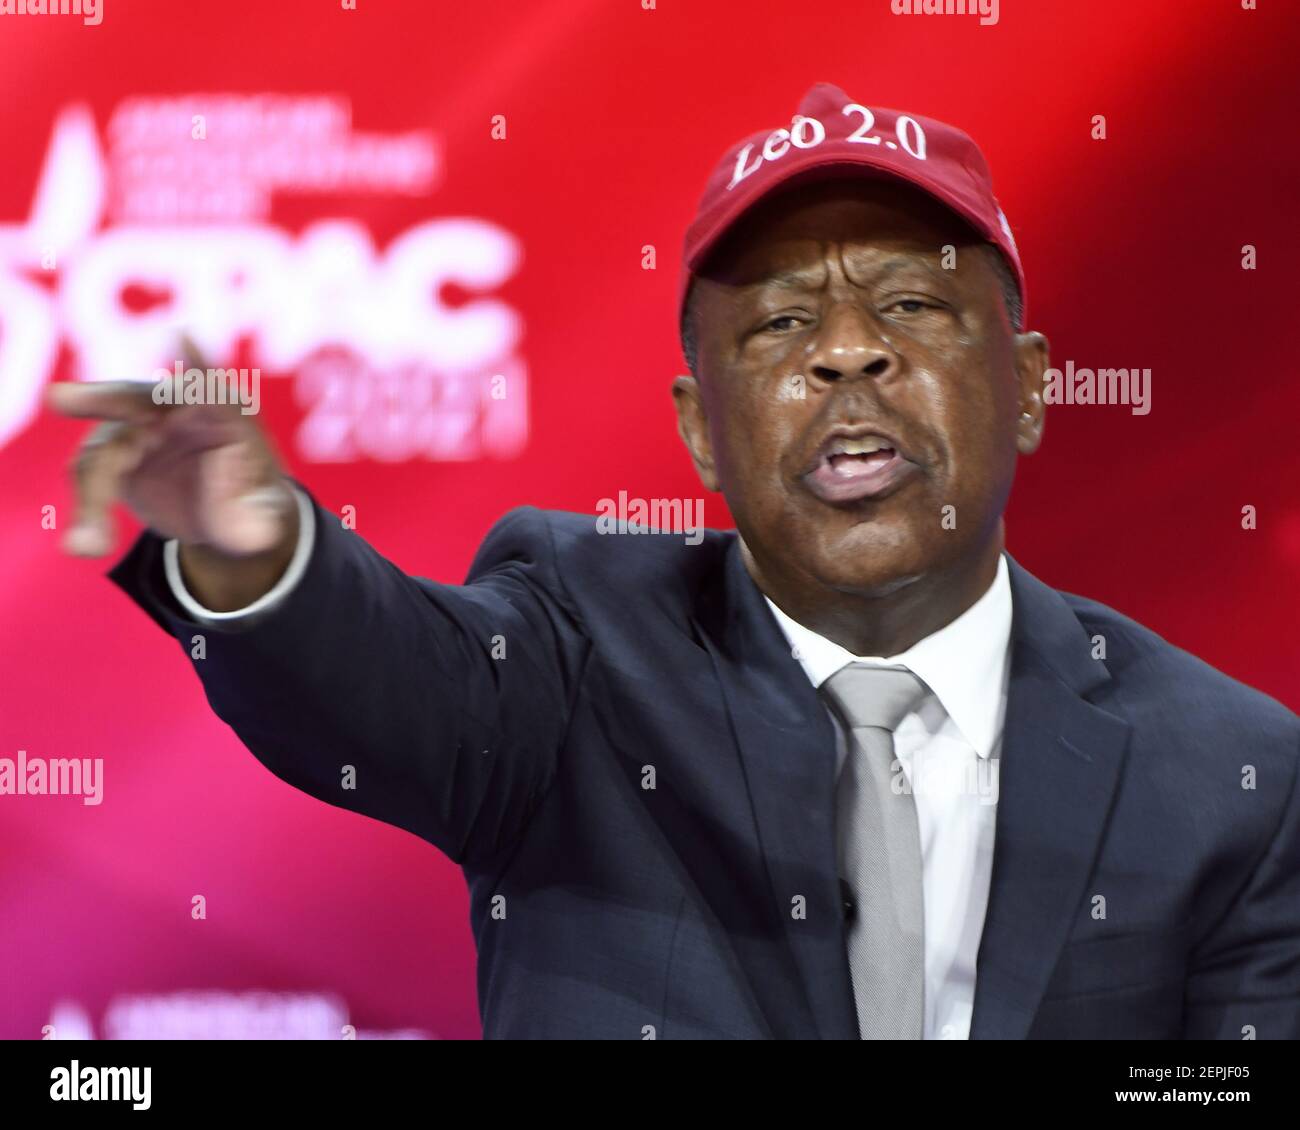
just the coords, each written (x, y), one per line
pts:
(308, 235)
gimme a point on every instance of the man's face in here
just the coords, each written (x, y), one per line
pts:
(859, 405)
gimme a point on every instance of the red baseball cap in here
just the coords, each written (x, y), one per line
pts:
(833, 132)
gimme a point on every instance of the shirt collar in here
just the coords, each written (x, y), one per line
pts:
(964, 663)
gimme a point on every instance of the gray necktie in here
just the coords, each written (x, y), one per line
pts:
(879, 847)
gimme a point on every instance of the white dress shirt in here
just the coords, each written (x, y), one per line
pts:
(948, 750)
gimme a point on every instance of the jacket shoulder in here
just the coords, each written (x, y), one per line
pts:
(1146, 668)
(590, 564)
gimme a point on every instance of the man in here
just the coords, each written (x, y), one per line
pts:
(849, 772)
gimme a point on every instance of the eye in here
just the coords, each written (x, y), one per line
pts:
(911, 305)
(775, 324)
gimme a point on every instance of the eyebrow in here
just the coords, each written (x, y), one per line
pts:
(788, 278)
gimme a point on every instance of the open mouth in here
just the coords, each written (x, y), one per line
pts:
(849, 468)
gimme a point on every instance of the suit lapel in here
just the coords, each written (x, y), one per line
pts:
(1061, 761)
(787, 749)
(1060, 764)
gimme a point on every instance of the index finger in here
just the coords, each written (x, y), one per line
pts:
(191, 356)
(102, 400)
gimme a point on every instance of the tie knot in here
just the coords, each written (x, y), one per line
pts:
(873, 696)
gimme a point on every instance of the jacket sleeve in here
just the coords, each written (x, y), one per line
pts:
(438, 708)
(1245, 978)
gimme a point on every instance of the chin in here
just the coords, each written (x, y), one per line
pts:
(872, 558)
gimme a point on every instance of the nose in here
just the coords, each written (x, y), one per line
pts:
(849, 345)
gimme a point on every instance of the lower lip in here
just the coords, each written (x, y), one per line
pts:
(831, 485)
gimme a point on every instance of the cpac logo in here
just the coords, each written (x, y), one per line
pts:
(385, 368)
(807, 133)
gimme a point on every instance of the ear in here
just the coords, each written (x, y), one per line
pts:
(1031, 350)
(693, 427)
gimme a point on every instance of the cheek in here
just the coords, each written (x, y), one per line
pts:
(760, 423)
(975, 421)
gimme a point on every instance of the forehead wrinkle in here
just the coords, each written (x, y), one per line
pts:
(880, 272)
(803, 277)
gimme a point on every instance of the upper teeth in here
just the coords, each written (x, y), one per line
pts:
(860, 445)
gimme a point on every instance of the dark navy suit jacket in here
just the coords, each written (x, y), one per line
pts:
(639, 791)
